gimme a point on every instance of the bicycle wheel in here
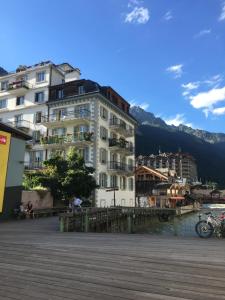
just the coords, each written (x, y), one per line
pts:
(204, 229)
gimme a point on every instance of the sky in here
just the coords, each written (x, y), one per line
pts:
(167, 56)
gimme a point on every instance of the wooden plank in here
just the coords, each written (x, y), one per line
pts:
(106, 266)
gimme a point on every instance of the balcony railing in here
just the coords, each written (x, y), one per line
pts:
(120, 167)
(68, 139)
(36, 165)
(121, 144)
(18, 85)
(81, 114)
(121, 126)
(23, 125)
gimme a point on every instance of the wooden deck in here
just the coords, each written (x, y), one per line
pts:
(39, 262)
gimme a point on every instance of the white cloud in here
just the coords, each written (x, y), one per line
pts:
(222, 14)
(191, 85)
(177, 70)
(219, 111)
(214, 80)
(168, 15)
(177, 120)
(202, 33)
(139, 15)
(142, 105)
(188, 87)
(132, 3)
(209, 98)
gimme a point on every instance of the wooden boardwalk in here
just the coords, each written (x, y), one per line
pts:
(39, 262)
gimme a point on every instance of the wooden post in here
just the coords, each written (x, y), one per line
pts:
(107, 220)
(86, 224)
(129, 223)
(61, 224)
(175, 225)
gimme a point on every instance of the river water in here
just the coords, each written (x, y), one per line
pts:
(185, 224)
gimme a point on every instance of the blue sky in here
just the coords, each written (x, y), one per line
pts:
(167, 56)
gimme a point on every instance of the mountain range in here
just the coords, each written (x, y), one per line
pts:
(153, 134)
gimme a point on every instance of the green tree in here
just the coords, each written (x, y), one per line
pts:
(67, 177)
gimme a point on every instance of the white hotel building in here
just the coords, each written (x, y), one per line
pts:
(61, 110)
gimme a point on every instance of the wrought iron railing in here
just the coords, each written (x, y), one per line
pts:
(69, 138)
(77, 114)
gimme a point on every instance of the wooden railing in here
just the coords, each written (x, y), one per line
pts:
(122, 219)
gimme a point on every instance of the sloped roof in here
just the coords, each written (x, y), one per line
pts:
(152, 172)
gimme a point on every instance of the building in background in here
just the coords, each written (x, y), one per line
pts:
(183, 165)
(12, 149)
(60, 110)
(23, 97)
(96, 121)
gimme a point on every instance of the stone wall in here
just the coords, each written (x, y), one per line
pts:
(39, 199)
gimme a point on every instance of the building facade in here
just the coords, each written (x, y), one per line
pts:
(182, 164)
(62, 111)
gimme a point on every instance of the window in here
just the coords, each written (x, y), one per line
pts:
(103, 156)
(103, 133)
(131, 184)
(102, 180)
(103, 113)
(84, 153)
(38, 116)
(4, 85)
(36, 156)
(3, 103)
(20, 100)
(59, 131)
(60, 94)
(81, 89)
(59, 114)
(113, 181)
(18, 120)
(40, 76)
(39, 97)
(122, 183)
(36, 135)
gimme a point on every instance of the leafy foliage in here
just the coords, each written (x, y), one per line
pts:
(66, 178)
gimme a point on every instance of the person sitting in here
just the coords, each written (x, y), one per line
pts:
(29, 209)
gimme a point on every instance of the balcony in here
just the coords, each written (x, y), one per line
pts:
(121, 127)
(79, 139)
(18, 87)
(120, 168)
(122, 146)
(75, 117)
(33, 166)
(22, 125)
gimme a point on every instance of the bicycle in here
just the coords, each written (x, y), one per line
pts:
(213, 224)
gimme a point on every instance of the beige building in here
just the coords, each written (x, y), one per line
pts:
(183, 165)
(61, 111)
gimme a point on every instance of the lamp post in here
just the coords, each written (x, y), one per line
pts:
(113, 189)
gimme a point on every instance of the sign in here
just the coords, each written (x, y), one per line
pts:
(3, 139)
(4, 156)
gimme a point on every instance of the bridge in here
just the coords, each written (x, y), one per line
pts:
(39, 262)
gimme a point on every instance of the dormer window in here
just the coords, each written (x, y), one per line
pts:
(81, 89)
